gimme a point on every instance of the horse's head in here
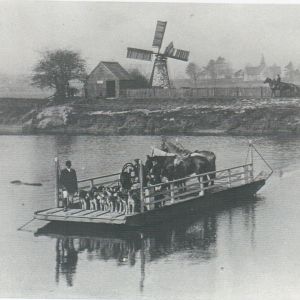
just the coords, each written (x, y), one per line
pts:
(268, 80)
(175, 168)
(169, 171)
(165, 165)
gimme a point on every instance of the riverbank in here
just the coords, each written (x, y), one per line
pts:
(153, 117)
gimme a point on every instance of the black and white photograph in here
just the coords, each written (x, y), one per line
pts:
(149, 150)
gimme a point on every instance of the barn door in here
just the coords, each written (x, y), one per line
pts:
(110, 88)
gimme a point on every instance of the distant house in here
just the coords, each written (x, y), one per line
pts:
(260, 72)
(256, 73)
(238, 75)
(107, 80)
(290, 74)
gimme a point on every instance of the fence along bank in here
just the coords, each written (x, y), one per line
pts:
(211, 92)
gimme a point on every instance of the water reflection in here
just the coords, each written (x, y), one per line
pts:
(66, 259)
(195, 239)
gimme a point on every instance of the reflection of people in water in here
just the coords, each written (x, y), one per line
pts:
(66, 259)
(124, 250)
(136, 249)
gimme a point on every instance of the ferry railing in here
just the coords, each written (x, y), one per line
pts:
(172, 191)
(169, 192)
(97, 181)
(192, 186)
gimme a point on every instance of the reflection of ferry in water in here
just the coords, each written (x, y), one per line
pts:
(195, 236)
(157, 202)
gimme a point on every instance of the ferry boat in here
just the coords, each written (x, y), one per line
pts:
(160, 202)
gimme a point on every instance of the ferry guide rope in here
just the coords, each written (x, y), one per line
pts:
(251, 146)
(27, 223)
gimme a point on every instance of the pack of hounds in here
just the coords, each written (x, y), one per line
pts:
(112, 199)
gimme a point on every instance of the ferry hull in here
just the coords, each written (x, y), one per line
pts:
(186, 208)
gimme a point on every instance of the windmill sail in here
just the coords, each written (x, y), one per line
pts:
(178, 54)
(159, 75)
(159, 34)
(169, 49)
(141, 54)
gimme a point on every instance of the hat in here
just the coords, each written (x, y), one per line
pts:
(68, 163)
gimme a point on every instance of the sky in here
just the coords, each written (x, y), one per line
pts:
(101, 31)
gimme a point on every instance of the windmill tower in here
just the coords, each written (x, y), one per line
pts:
(159, 75)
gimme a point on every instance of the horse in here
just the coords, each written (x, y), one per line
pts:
(179, 149)
(183, 168)
(292, 89)
(211, 158)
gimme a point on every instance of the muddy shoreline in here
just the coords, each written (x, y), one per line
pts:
(158, 117)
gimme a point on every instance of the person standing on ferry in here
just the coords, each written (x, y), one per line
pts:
(68, 180)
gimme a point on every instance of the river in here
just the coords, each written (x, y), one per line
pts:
(247, 250)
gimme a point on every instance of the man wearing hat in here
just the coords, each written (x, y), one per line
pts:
(68, 180)
(136, 167)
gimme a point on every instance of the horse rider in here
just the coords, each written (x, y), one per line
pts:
(278, 80)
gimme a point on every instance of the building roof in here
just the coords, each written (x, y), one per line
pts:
(249, 70)
(116, 69)
(254, 70)
(239, 73)
(274, 68)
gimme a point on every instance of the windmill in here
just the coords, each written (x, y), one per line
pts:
(159, 75)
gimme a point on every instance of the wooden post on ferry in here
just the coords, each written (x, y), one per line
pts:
(251, 154)
(56, 200)
(172, 194)
(141, 185)
(229, 178)
(245, 168)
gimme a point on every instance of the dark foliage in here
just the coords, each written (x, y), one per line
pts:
(139, 80)
(55, 70)
(193, 72)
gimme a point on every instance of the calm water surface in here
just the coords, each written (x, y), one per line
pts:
(248, 250)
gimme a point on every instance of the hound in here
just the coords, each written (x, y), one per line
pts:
(94, 202)
(84, 199)
(121, 203)
(111, 200)
(130, 203)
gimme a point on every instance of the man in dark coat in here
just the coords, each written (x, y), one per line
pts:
(68, 180)
(156, 172)
(278, 80)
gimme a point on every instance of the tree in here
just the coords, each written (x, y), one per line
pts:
(193, 71)
(222, 68)
(289, 72)
(211, 69)
(56, 68)
(140, 81)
